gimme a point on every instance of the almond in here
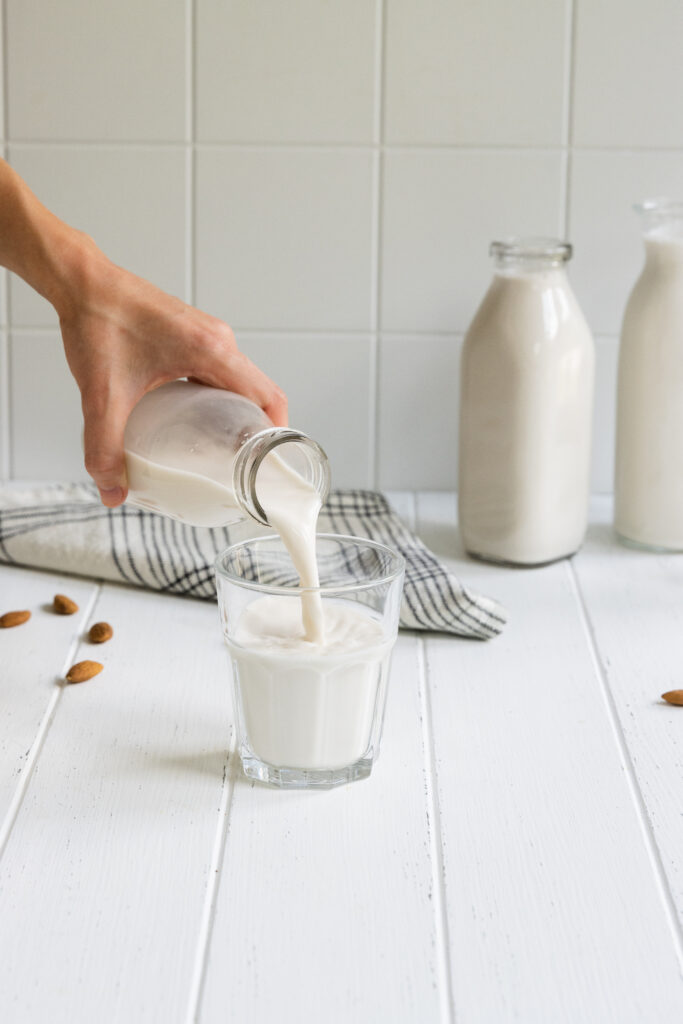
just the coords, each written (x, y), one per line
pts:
(83, 670)
(64, 605)
(10, 619)
(673, 697)
(100, 632)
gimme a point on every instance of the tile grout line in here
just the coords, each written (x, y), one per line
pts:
(376, 242)
(44, 726)
(5, 364)
(481, 148)
(568, 114)
(230, 773)
(446, 997)
(320, 332)
(629, 769)
(189, 152)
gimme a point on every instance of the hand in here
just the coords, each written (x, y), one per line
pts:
(123, 337)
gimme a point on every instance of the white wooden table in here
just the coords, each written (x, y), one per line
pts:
(516, 856)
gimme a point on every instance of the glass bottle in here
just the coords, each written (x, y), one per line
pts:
(195, 453)
(525, 410)
(649, 448)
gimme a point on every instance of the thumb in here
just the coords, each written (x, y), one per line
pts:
(104, 425)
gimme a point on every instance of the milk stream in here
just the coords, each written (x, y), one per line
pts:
(309, 674)
(291, 504)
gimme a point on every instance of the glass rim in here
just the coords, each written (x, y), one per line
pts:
(399, 565)
(660, 206)
(244, 476)
(531, 248)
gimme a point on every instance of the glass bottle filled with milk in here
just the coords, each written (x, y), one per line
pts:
(526, 394)
(649, 450)
(209, 457)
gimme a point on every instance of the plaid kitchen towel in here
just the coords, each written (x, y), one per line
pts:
(64, 527)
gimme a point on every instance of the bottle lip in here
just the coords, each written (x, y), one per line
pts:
(261, 444)
(661, 218)
(532, 248)
(660, 207)
(395, 568)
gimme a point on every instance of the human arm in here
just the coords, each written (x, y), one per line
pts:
(122, 335)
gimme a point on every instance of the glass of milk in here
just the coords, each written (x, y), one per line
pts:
(309, 712)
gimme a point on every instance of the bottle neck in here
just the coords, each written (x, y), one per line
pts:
(662, 251)
(297, 452)
(522, 256)
(524, 267)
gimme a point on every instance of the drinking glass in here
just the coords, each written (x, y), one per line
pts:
(309, 715)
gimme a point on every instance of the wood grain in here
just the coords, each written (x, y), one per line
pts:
(104, 876)
(634, 603)
(32, 664)
(325, 909)
(554, 911)
(515, 857)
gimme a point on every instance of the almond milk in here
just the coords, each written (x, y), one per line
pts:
(525, 411)
(649, 452)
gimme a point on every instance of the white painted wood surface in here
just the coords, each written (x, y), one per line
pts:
(516, 855)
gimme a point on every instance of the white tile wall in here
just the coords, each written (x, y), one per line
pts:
(419, 379)
(300, 71)
(284, 237)
(327, 176)
(81, 70)
(605, 230)
(129, 199)
(328, 380)
(440, 211)
(45, 428)
(629, 73)
(468, 73)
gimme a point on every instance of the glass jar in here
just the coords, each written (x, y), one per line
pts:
(649, 448)
(526, 391)
(195, 453)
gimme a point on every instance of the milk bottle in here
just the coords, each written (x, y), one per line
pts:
(525, 411)
(649, 451)
(209, 457)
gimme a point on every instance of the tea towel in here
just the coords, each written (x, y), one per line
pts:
(64, 527)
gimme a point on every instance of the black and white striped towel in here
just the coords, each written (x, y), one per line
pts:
(65, 528)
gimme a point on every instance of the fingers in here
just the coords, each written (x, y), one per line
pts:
(235, 372)
(105, 421)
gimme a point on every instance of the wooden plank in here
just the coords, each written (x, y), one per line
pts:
(32, 662)
(554, 912)
(104, 877)
(324, 911)
(634, 602)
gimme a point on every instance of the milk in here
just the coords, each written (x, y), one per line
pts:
(525, 420)
(309, 675)
(308, 705)
(290, 503)
(649, 453)
(181, 494)
(292, 507)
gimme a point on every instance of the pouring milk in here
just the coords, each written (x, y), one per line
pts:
(204, 456)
